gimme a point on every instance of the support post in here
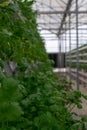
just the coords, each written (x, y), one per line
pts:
(70, 60)
(65, 48)
(77, 46)
(59, 52)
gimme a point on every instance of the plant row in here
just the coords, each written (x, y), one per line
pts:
(31, 96)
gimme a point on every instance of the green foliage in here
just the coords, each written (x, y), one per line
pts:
(32, 98)
(10, 109)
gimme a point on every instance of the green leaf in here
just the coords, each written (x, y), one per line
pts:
(77, 93)
(84, 96)
(4, 4)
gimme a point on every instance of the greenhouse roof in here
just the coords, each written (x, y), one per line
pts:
(53, 15)
(56, 18)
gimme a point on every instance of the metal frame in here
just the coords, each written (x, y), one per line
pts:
(62, 22)
(77, 46)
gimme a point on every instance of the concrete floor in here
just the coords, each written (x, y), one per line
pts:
(83, 90)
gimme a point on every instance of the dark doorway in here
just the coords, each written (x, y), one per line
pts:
(59, 59)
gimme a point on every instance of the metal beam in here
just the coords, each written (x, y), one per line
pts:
(77, 47)
(53, 29)
(74, 28)
(45, 36)
(54, 23)
(49, 29)
(60, 12)
(64, 16)
(51, 39)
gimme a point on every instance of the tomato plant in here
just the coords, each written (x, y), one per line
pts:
(30, 96)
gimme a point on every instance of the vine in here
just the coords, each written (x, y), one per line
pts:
(30, 96)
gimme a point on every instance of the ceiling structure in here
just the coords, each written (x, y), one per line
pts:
(67, 21)
(57, 16)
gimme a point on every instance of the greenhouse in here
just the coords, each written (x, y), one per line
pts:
(43, 64)
(62, 23)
